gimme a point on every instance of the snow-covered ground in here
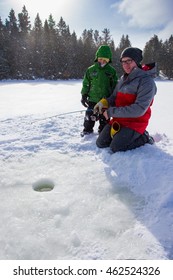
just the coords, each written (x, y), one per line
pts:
(103, 205)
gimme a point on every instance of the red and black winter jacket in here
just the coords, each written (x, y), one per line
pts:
(131, 101)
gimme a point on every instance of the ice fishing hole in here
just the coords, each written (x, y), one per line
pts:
(43, 185)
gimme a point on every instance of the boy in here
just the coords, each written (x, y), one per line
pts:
(99, 81)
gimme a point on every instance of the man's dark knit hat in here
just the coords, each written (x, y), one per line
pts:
(133, 53)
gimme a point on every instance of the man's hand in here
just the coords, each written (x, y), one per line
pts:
(98, 108)
(105, 114)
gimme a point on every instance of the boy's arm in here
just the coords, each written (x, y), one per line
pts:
(85, 84)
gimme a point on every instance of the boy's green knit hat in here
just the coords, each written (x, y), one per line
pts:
(104, 51)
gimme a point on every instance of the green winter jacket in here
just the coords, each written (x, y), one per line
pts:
(99, 82)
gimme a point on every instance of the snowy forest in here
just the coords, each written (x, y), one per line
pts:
(50, 51)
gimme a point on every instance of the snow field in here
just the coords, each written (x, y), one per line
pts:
(103, 205)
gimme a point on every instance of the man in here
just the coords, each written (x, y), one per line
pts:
(99, 81)
(128, 108)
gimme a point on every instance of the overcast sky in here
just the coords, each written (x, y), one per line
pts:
(140, 19)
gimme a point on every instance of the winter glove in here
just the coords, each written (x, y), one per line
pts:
(94, 117)
(84, 100)
(98, 107)
(102, 104)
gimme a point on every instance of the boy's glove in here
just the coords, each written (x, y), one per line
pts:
(100, 105)
(84, 100)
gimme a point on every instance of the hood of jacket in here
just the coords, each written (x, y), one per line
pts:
(138, 72)
(104, 51)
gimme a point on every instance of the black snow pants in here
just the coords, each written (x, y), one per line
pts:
(125, 139)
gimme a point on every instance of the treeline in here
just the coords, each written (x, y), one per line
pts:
(49, 50)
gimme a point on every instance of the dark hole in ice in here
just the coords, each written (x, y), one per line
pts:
(43, 185)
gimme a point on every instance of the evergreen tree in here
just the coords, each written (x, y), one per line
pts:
(97, 38)
(89, 48)
(65, 52)
(49, 48)
(46, 51)
(73, 54)
(4, 66)
(152, 50)
(12, 43)
(124, 43)
(166, 64)
(24, 21)
(106, 38)
(80, 62)
(114, 58)
(12, 24)
(36, 45)
(24, 55)
(2, 27)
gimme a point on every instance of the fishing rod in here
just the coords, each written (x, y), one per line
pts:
(59, 115)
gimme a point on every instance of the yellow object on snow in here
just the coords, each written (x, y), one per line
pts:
(115, 127)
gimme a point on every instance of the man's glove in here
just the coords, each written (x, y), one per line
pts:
(84, 100)
(102, 104)
(98, 108)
